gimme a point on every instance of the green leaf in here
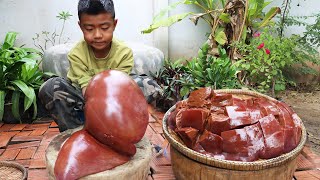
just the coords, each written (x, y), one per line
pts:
(2, 98)
(9, 40)
(270, 14)
(225, 17)
(25, 89)
(163, 12)
(165, 22)
(220, 37)
(15, 105)
(27, 101)
(184, 91)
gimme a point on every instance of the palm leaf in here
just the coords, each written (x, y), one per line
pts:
(2, 97)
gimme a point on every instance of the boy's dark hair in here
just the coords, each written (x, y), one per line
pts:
(94, 7)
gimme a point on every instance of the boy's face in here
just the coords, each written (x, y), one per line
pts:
(98, 30)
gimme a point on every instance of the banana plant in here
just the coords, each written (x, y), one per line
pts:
(230, 21)
(20, 76)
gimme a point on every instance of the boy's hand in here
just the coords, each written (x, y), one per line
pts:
(84, 91)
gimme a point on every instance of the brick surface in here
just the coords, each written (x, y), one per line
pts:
(4, 141)
(38, 174)
(38, 131)
(304, 164)
(26, 153)
(24, 145)
(18, 127)
(1, 151)
(24, 162)
(40, 154)
(37, 164)
(36, 126)
(9, 133)
(23, 133)
(9, 154)
(157, 128)
(26, 138)
(6, 127)
(53, 125)
(307, 175)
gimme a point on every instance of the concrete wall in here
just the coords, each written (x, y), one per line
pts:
(33, 16)
(182, 39)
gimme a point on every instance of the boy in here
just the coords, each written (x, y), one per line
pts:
(97, 52)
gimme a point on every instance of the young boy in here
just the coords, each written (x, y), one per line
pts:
(98, 51)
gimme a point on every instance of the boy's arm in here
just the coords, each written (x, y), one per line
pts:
(126, 63)
(78, 72)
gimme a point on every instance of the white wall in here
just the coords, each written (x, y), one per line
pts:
(182, 39)
(33, 16)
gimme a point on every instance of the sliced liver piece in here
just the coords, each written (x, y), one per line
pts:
(218, 123)
(238, 118)
(273, 137)
(200, 98)
(210, 142)
(195, 118)
(235, 141)
(221, 99)
(188, 135)
(255, 141)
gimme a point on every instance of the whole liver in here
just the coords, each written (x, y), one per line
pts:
(146, 59)
(137, 168)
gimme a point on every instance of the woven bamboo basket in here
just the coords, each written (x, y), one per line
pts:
(189, 164)
(12, 171)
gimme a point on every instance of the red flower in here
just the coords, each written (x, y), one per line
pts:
(260, 46)
(267, 51)
(257, 34)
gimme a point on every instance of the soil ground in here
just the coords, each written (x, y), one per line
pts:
(307, 106)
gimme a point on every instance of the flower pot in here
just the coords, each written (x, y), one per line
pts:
(8, 118)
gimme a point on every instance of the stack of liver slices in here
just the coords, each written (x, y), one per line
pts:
(235, 127)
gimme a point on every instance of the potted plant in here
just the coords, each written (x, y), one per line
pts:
(20, 78)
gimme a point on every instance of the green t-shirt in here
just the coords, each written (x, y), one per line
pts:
(84, 65)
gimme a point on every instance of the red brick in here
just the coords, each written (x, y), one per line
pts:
(36, 126)
(163, 177)
(1, 151)
(37, 164)
(9, 154)
(6, 127)
(26, 153)
(38, 174)
(4, 141)
(24, 162)
(24, 133)
(9, 133)
(53, 130)
(157, 139)
(24, 145)
(1, 124)
(307, 175)
(156, 127)
(26, 138)
(40, 154)
(53, 125)
(151, 119)
(43, 147)
(18, 127)
(39, 131)
(149, 132)
(304, 163)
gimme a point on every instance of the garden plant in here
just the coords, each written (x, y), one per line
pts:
(20, 78)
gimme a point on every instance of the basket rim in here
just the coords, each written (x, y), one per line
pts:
(17, 166)
(235, 165)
